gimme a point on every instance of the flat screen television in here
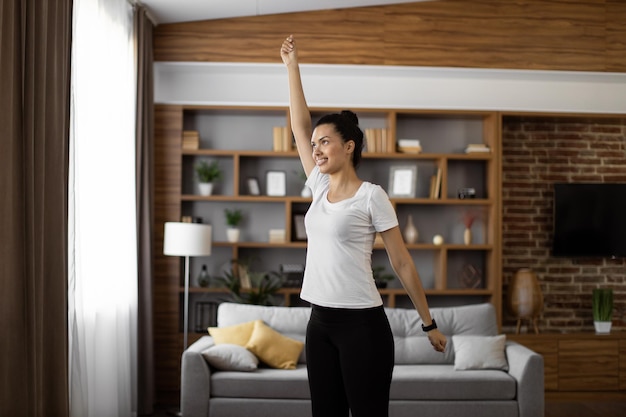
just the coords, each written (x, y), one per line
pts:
(589, 220)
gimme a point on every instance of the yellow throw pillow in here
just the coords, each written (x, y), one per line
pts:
(273, 348)
(238, 334)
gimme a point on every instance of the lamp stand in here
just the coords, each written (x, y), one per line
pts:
(186, 305)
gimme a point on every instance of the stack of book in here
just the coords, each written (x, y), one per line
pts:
(191, 139)
(277, 236)
(409, 146)
(378, 140)
(282, 139)
(435, 185)
(476, 148)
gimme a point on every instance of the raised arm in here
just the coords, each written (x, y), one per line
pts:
(298, 109)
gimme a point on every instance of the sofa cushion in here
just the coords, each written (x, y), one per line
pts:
(412, 345)
(289, 321)
(237, 334)
(479, 352)
(228, 357)
(410, 382)
(273, 348)
(442, 382)
(263, 383)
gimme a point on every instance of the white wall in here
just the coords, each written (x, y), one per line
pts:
(392, 87)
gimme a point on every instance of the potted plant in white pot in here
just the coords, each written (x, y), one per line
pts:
(306, 191)
(207, 173)
(602, 304)
(233, 218)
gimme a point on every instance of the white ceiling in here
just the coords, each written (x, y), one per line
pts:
(172, 11)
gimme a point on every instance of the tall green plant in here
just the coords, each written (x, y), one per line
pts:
(602, 303)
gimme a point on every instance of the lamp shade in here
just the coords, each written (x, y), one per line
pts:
(187, 239)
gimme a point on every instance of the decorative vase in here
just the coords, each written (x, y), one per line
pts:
(232, 234)
(203, 278)
(525, 297)
(410, 232)
(467, 236)
(306, 192)
(205, 188)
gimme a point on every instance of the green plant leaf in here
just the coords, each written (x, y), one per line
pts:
(602, 304)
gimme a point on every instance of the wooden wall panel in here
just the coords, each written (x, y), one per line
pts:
(616, 36)
(335, 36)
(531, 34)
(168, 345)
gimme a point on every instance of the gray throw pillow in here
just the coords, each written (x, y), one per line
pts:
(229, 357)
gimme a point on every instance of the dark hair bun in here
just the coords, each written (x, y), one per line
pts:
(350, 115)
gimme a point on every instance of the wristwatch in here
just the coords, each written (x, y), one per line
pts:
(433, 326)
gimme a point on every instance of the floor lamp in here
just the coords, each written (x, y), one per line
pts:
(186, 239)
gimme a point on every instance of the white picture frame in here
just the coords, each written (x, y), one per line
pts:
(299, 230)
(402, 181)
(253, 186)
(276, 183)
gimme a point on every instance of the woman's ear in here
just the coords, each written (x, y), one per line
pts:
(350, 146)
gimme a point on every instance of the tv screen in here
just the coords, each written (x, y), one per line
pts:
(589, 220)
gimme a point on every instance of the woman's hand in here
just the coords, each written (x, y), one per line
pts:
(288, 51)
(438, 340)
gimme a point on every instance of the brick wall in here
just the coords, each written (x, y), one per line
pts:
(537, 152)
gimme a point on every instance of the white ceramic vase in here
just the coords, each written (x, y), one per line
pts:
(205, 188)
(410, 232)
(232, 234)
(467, 236)
(306, 192)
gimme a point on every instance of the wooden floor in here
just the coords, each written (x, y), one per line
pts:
(554, 408)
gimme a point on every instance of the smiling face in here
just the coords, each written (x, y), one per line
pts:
(330, 152)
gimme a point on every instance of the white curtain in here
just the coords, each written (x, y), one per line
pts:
(102, 299)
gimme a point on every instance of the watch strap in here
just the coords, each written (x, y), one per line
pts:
(433, 326)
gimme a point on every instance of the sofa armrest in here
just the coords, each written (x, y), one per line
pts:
(526, 366)
(195, 379)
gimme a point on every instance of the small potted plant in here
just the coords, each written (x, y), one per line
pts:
(381, 278)
(306, 191)
(602, 304)
(207, 174)
(233, 219)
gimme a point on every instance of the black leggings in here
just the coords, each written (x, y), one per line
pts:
(350, 357)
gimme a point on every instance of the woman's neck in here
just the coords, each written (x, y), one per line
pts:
(343, 185)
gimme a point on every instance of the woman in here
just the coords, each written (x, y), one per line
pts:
(349, 348)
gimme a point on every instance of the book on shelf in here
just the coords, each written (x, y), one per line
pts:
(191, 139)
(282, 139)
(477, 147)
(409, 146)
(378, 140)
(435, 184)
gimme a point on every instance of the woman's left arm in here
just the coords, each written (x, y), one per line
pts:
(404, 267)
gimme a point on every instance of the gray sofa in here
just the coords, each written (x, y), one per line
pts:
(424, 383)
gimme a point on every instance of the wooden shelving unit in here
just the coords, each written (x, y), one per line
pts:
(240, 139)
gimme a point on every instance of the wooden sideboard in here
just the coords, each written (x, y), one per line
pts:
(581, 365)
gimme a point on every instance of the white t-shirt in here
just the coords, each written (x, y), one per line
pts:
(340, 238)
